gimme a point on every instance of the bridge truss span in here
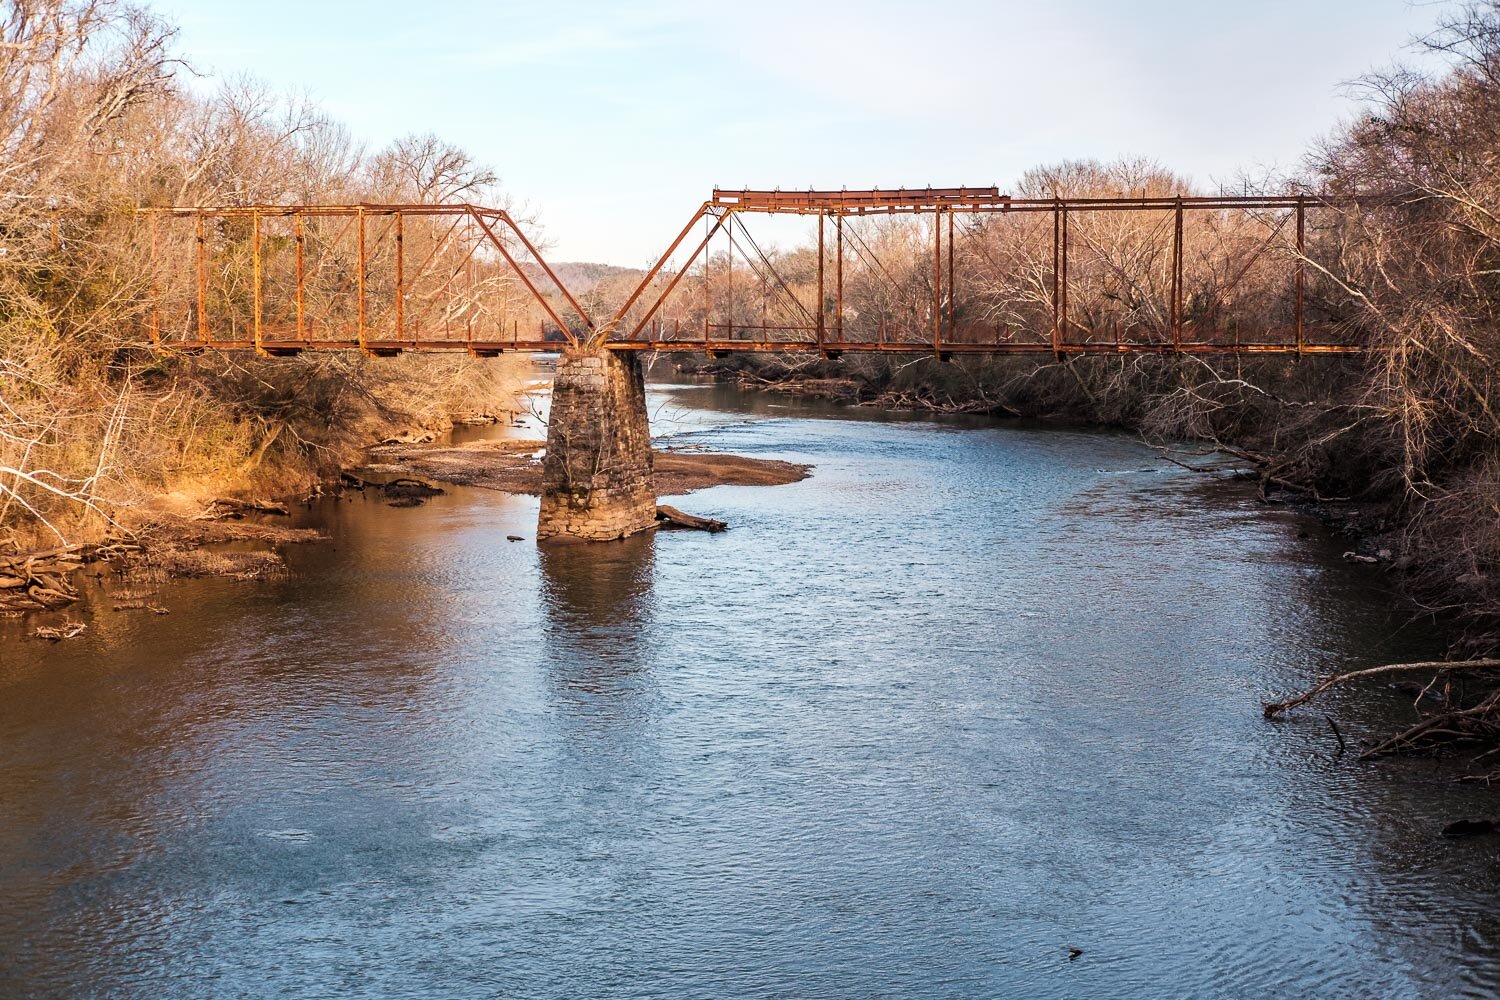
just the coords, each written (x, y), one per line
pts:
(378, 278)
(966, 270)
(943, 271)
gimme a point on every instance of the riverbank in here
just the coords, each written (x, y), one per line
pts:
(130, 567)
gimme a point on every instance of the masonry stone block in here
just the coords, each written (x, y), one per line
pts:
(597, 479)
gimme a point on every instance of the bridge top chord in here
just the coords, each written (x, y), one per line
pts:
(874, 199)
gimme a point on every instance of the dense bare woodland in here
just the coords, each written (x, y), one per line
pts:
(1409, 432)
(97, 118)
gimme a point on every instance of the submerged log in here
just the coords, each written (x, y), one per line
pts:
(408, 487)
(229, 507)
(671, 517)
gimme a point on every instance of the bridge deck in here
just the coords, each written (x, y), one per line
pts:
(832, 347)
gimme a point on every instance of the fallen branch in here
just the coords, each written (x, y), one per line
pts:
(57, 633)
(61, 550)
(1437, 725)
(1340, 736)
(1275, 708)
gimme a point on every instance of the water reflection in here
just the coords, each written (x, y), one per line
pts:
(598, 612)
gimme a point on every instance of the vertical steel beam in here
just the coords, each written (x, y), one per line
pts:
(1056, 251)
(1176, 307)
(937, 282)
(838, 271)
(202, 284)
(822, 302)
(1062, 314)
(468, 267)
(1301, 278)
(360, 278)
(952, 303)
(299, 237)
(255, 279)
(708, 291)
(400, 282)
(730, 318)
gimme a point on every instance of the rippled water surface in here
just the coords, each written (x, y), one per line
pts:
(970, 696)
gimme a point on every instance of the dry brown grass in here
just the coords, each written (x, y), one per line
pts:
(94, 430)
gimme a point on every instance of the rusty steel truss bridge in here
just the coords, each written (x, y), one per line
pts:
(992, 275)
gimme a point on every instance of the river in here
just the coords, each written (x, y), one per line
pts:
(974, 694)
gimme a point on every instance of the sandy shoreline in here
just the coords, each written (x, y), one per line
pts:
(516, 467)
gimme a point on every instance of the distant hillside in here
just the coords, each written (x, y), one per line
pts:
(582, 277)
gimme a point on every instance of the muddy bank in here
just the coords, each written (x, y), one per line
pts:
(516, 467)
(128, 571)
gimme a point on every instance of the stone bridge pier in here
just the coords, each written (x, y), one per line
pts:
(597, 481)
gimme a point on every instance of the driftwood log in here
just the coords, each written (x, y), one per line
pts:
(671, 517)
(57, 633)
(406, 486)
(39, 580)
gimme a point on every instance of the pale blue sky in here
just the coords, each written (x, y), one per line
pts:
(614, 120)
